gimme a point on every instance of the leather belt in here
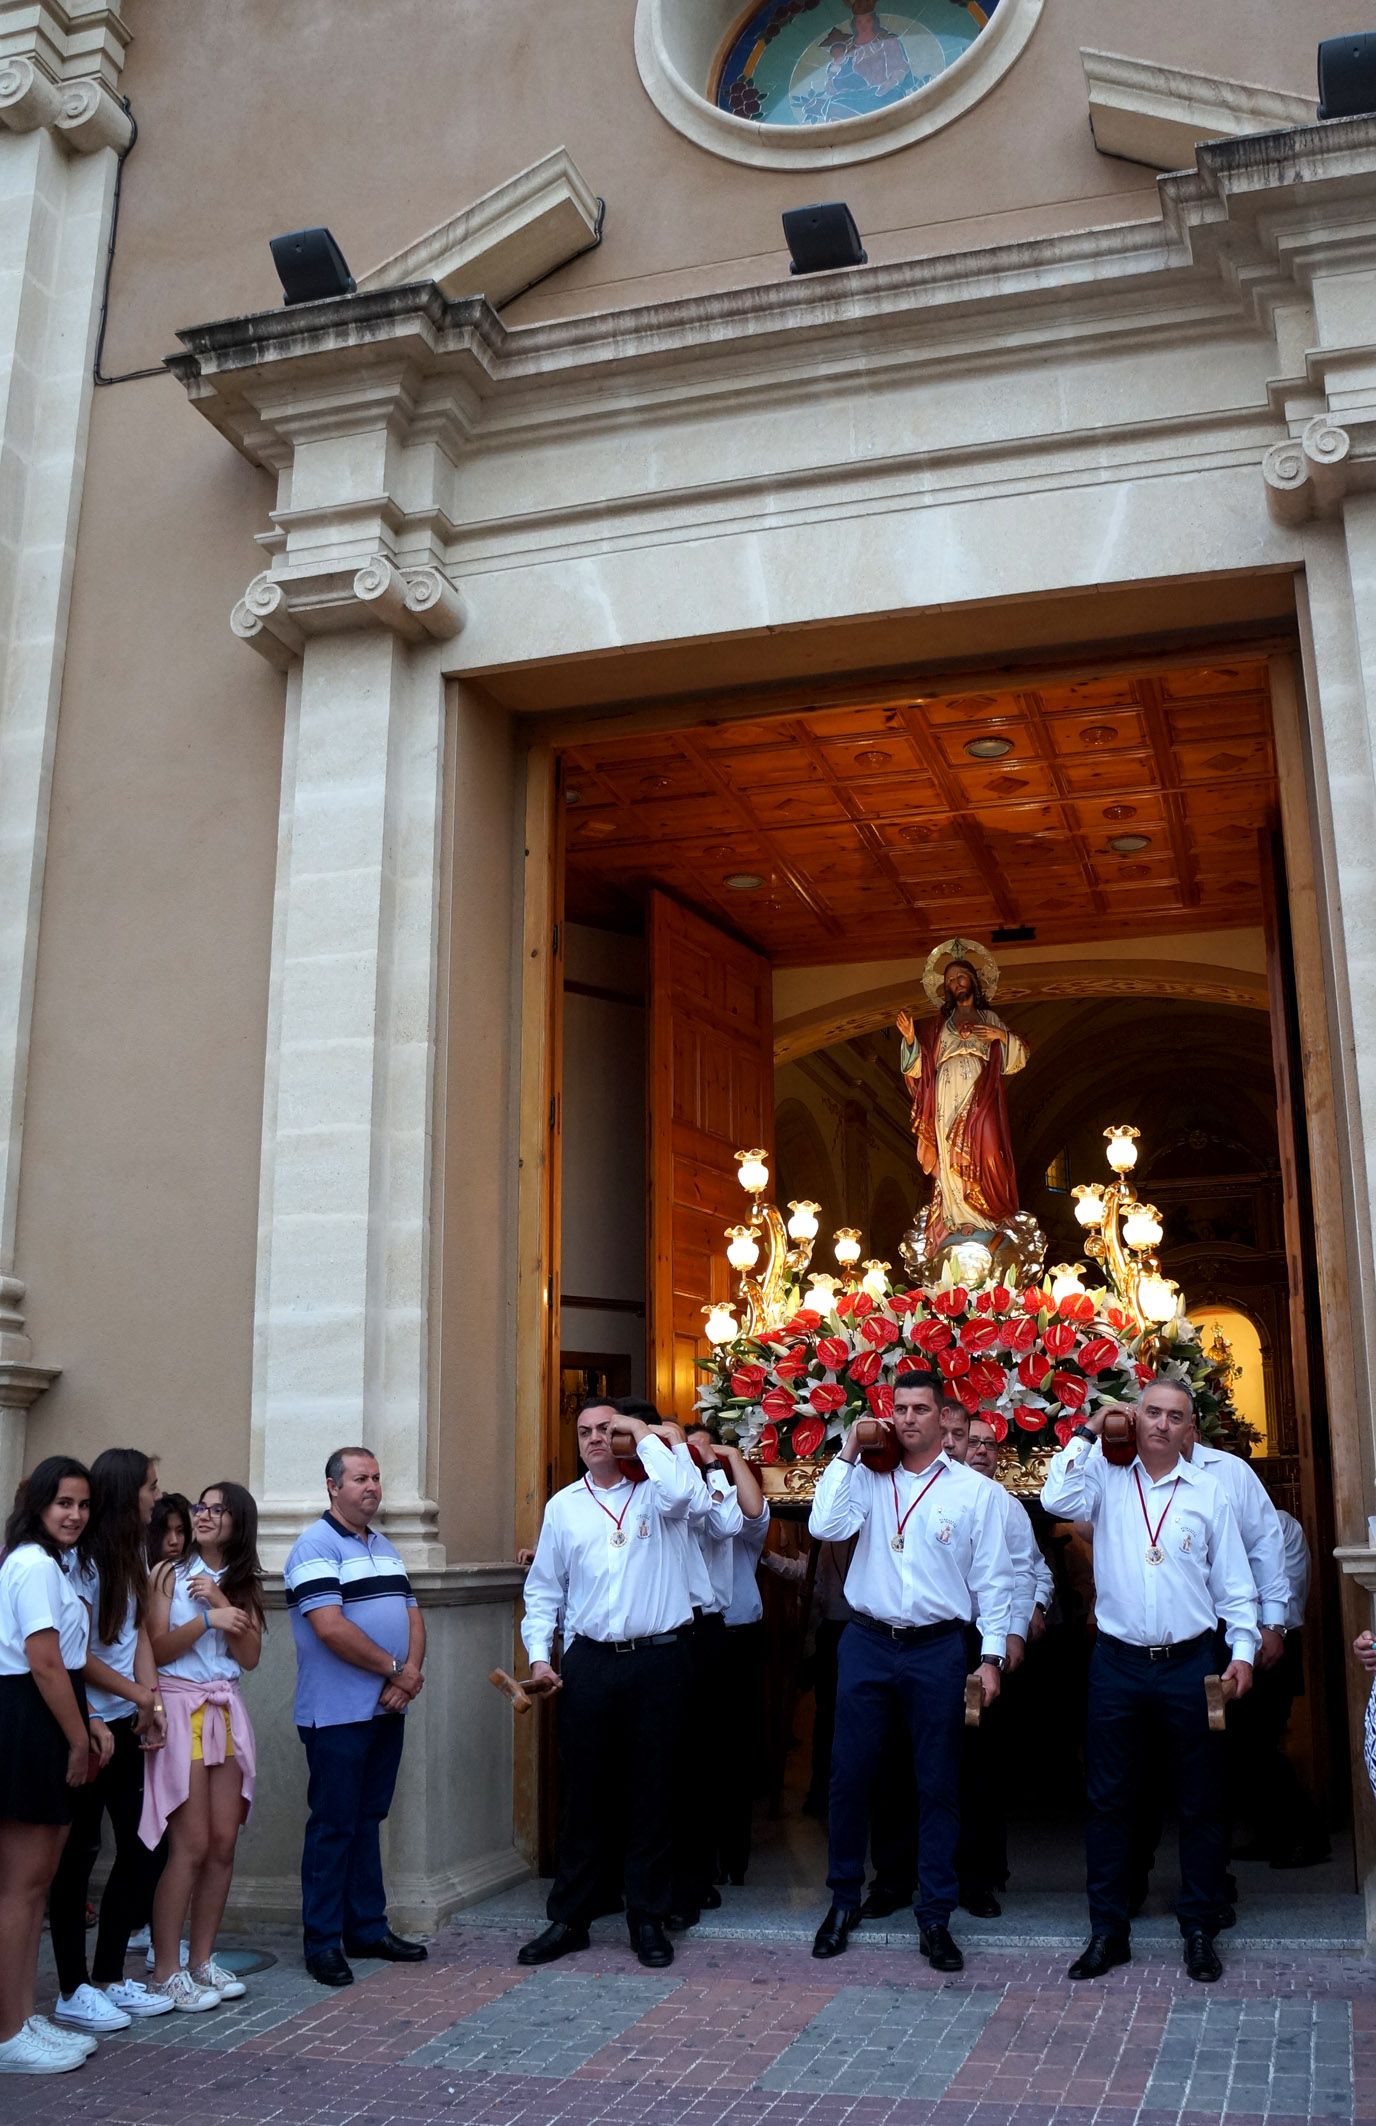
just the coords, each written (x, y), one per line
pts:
(634, 1646)
(909, 1634)
(1175, 1652)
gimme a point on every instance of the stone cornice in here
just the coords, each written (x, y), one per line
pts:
(59, 68)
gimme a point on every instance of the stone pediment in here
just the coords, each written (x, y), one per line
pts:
(526, 227)
(1158, 115)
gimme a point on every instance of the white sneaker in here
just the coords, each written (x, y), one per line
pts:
(134, 1998)
(150, 1959)
(184, 1993)
(142, 1940)
(62, 2040)
(87, 2009)
(219, 1980)
(27, 2053)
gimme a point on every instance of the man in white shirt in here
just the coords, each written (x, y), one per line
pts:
(1287, 1828)
(714, 1521)
(738, 1674)
(1168, 1564)
(929, 1558)
(609, 1571)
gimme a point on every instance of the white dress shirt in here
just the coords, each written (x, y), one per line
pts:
(954, 1562)
(1203, 1574)
(595, 1588)
(747, 1605)
(1258, 1524)
(1032, 1582)
(1296, 1569)
(714, 1521)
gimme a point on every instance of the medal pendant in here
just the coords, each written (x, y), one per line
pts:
(1155, 1554)
(895, 1542)
(618, 1539)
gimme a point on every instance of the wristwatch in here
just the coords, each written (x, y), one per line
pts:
(998, 1661)
(1082, 1432)
(397, 1666)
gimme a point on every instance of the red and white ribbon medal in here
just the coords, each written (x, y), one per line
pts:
(618, 1537)
(1155, 1553)
(896, 1540)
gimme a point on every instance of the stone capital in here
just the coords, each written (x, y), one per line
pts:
(1310, 474)
(277, 613)
(59, 69)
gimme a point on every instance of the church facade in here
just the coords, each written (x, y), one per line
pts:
(308, 607)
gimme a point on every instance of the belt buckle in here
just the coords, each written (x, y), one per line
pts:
(1159, 1653)
(623, 1646)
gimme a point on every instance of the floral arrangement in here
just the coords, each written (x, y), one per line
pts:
(1032, 1365)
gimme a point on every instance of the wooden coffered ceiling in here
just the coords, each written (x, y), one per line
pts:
(873, 832)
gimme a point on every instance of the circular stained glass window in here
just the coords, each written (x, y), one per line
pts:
(811, 62)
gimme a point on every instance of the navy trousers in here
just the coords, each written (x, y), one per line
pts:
(924, 1682)
(353, 1775)
(1145, 1717)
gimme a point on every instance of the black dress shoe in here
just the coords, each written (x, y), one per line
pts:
(390, 1948)
(556, 1941)
(711, 1898)
(652, 1945)
(329, 1968)
(883, 1903)
(830, 1938)
(981, 1904)
(939, 1949)
(1201, 1957)
(1099, 1955)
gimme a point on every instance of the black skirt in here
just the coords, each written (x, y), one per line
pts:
(33, 1753)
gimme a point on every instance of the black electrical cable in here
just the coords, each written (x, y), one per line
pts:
(128, 375)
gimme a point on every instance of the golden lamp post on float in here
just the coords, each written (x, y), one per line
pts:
(771, 1257)
(1123, 1233)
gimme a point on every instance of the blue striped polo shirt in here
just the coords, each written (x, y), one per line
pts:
(331, 1568)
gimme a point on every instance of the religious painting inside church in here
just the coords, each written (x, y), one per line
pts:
(812, 62)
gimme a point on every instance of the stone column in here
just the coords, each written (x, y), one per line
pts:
(341, 1309)
(62, 129)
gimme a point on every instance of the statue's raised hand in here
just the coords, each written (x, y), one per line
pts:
(904, 1023)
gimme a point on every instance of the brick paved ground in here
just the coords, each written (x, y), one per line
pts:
(747, 2034)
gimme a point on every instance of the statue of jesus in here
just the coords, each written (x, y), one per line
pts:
(954, 1067)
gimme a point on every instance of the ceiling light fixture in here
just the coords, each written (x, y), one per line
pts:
(988, 748)
(742, 881)
(1129, 844)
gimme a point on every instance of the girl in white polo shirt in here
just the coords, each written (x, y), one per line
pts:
(47, 1746)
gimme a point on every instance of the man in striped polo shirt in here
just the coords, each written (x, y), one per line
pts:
(360, 1646)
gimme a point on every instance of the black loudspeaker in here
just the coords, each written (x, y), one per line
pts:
(822, 238)
(1347, 75)
(310, 266)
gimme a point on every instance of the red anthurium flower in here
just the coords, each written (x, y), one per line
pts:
(748, 1380)
(1001, 1298)
(903, 1302)
(1070, 1391)
(968, 1395)
(791, 1367)
(833, 1351)
(808, 1434)
(768, 1449)
(854, 1306)
(828, 1395)
(1029, 1420)
(806, 1322)
(1063, 1428)
(953, 1362)
(1076, 1306)
(980, 1335)
(931, 1336)
(1144, 1374)
(1117, 1319)
(880, 1399)
(881, 1332)
(1032, 1371)
(1020, 1336)
(864, 1368)
(986, 1377)
(1098, 1353)
(778, 1405)
(983, 1302)
(951, 1303)
(908, 1363)
(999, 1423)
(1059, 1339)
(1034, 1299)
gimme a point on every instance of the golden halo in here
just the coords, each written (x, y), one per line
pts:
(940, 958)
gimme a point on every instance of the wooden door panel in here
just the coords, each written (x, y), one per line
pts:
(711, 1094)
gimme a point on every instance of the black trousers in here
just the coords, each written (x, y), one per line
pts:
(1282, 1814)
(620, 1726)
(1144, 1714)
(826, 1643)
(116, 1792)
(893, 1814)
(741, 1716)
(695, 1838)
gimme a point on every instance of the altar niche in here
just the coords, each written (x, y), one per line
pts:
(743, 910)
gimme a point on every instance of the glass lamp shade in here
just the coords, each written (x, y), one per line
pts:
(846, 1246)
(743, 1250)
(1090, 1207)
(1065, 1281)
(1157, 1297)
(803, 1224)
(754, 1171)
(1142, 1226)
(876, 1279)
(820, 1295)
(720, 1325)
(1122, 1147)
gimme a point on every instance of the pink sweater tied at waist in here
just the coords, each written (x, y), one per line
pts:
(167, 1772)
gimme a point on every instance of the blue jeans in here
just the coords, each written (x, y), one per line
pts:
(353, 1775)
(925, 1684)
